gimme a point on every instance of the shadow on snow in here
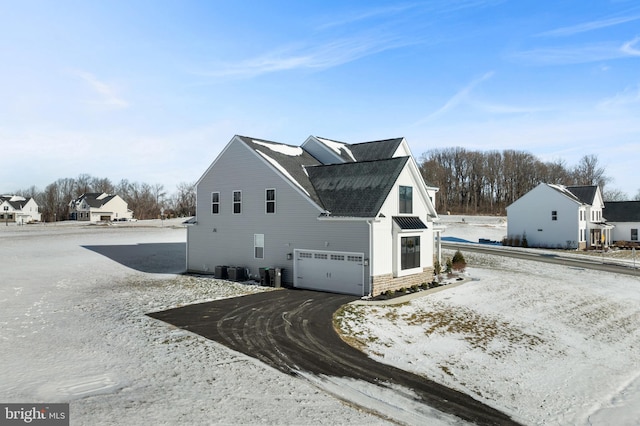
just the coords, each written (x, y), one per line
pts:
(156, 258)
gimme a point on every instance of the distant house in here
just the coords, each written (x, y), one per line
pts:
(96, 207)
(21, 210)
(625, 215)
(557, 216)
(346, 218)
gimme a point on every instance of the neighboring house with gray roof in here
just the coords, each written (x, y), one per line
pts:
(347, 218)
(99, 207)
(625, 216)
(18, 209)
(557, 216)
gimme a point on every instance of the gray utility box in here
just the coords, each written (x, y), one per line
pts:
(236, 273)
(275, 276)
(221, 272)
(271, 277)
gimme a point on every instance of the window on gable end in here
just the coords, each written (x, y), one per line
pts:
(406, 199)
(270, 200)
(237, 202)
(215, 203)
(554, 215)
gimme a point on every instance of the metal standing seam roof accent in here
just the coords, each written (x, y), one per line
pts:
(409, 222)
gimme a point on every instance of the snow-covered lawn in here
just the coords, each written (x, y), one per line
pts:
(545, 343)
(73, 329)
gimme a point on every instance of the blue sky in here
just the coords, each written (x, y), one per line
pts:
(151, 91)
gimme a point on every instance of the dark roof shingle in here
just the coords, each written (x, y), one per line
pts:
(622, 211)
(355, 189)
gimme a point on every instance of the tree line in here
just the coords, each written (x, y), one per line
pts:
(145, 200)
(486, 182)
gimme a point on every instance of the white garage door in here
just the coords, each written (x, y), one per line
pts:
(333, 271)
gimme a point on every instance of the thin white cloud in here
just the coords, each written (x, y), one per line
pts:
(460, 97)
(368, 14)
(631, 95)
(589, 26)
(321, 56)
(108, 95)
(579, 54)
(630, 47)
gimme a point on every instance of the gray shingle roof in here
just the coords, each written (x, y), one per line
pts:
(622, 211)
(355, 189)
(585, 193)
(294, 165)
(375, 150)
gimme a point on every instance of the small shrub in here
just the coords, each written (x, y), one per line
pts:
(403, 290)
(414, 287)
(449, 266)
(437, 267)
(458, 263)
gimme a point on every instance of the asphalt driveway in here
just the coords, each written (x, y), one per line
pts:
(292, 331)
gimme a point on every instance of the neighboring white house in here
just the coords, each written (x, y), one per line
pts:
(95, 207)
(21, 210)
(625, 216)
(346, 218)
(557, 216)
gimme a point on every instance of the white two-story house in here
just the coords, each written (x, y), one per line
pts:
(348, 218)
(18, 209)
(557, 216)
(99, 206)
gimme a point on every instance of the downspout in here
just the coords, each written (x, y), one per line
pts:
(370, 222)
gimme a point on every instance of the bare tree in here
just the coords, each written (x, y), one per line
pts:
(589, 172)
(184, 200)
(614, 195)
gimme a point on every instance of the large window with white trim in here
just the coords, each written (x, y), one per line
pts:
(405, 199)
(409, 252)
(634, 234)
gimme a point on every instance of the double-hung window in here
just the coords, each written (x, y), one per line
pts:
(237, 202)
(406, 199)
(270, 200)
(215, 203)
(258, 246)
(554, 215)
(634, 234)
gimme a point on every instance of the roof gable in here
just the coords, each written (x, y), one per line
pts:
(356, 189)
(622, 211)
(290, 161)
(375, 150)
(585, 193)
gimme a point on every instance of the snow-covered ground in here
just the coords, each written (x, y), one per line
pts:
(73, 329)
(547, 344)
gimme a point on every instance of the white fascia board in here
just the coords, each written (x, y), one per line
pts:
(348, 219)
(415, 171)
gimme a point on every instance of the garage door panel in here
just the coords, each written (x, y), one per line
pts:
(336, 272)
